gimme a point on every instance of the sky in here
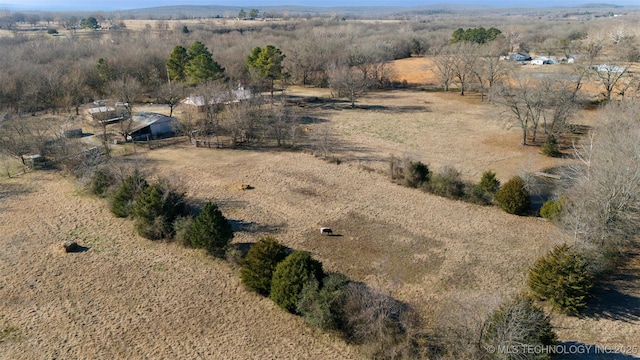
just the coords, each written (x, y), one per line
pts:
(133, 4)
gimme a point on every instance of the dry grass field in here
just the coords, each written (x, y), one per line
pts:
(127, 297)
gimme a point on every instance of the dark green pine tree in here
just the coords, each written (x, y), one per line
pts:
(124, 197)
(202, 68)
(211, 231)
(562, 277)
(259, 264)
(177, 62)
(513, 197)
(266, 64)
(155, 211)
(291, 275)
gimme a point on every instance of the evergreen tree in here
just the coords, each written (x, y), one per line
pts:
(416, 173)
(211, 231)
(291, 275)
(196, 49)
(177, 62)
(322, 307)
(126, 194)
(259, 264)
(489, 184)
(562, 277)
(156, 209)
(202, 68)
(89, 23)
(266, 64)
(513, 197)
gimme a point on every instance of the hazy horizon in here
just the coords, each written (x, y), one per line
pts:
(136, 4)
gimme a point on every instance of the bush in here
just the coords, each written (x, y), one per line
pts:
(447, 183)
(211, 230)
(101, 183)
(489, 184)
(415, 174)
(290, 276)
(52, 31)
(562, 277)
(550, 210)
(550, 147)
(156, 209)
(374, 319)
(260, 263)
(126, 194)
(322, 307)
(517, 324)
(234, 255)
(181, 228)
(483, 192)
(513, 197)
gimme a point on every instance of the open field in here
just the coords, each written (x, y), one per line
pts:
(130, 297)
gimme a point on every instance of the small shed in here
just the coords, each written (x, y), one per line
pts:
(148, 125)
(520, 57)
(72, 133)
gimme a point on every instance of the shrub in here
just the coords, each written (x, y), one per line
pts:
(260, 263)
(52, 31)
(181, 228)
(234, 255)
(415, 174)
(489, 184)
(156, 209)
(211, 230)
(562, 278)
(101, 182)
(513, 197)
(484, 192)
(126, 194)
(517, 324)
(374, 319)
(290, 276)
(447, 183)
(550, 210)
(322, 307)
(550, 147)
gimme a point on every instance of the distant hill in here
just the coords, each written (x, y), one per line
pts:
(198, 11)
(373, 12)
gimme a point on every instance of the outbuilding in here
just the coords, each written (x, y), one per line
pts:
(148, 125)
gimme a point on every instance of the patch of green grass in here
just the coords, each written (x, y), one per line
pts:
(160, 267)
(10, 333)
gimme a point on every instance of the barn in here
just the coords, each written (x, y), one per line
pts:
(220, 98)
(148, 125)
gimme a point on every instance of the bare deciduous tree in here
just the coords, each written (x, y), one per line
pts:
(347, 80)
(444, 62)
(611, 77)
(125, 91)
(490, 68)
(603, 202)
(532, 103)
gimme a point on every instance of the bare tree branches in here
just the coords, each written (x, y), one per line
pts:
(603, 205)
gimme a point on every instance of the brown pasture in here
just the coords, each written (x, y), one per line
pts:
(129, 297)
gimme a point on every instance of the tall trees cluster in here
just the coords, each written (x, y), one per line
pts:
(194, 65)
